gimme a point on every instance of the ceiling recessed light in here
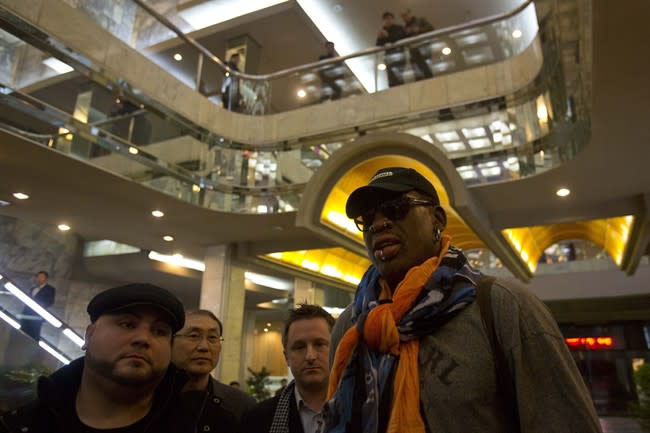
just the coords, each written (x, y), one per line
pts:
(158, 213)
(168, 238)
(133, 150)
(63, 227)
(516, 33)
(301, 93)
(21, 196)
(446, 51)
(178, 57)
(381, 66)
(196, 188)
(563, 192)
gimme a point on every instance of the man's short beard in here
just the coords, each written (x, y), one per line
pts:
(107, 369)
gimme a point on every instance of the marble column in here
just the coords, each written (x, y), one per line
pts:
(223, 292)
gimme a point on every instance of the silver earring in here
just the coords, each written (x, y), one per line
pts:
(437, 234)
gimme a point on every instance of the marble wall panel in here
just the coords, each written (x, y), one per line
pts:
(28, 9)
(75, 29)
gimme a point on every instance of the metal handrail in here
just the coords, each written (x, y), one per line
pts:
(121, 146)
(289, 71)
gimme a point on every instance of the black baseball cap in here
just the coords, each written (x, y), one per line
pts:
(388, 182)
(120, 298)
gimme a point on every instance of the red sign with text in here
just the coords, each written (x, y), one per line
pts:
(590, 343)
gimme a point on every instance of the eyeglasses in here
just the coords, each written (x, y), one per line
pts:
(196, 337)
(393, 210)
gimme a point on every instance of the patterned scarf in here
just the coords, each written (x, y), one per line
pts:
(384, 343)
(280, 423)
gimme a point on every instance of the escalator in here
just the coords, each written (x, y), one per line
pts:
(23, 358)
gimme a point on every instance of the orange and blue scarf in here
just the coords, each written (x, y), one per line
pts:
(384, 342)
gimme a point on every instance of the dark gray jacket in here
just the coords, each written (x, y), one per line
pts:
(458, 383)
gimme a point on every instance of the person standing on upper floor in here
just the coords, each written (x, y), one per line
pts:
(230, 96)
(43, 293)
(328, 75)
(414, 351)
(196, 350)
(125, 383)
(298, 409)
(389, 33)
(414, 26)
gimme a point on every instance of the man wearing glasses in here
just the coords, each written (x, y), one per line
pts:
(196, 350)
(414, 353)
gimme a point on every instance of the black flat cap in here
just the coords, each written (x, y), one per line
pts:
(139, 294)
(385, 183)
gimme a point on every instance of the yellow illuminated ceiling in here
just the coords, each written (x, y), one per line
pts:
(610, 233)
(336, 263)
(333, 212)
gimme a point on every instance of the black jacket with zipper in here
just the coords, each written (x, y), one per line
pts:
(54, 409)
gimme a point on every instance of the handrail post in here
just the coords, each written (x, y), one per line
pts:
(199, 72)
(129, 137)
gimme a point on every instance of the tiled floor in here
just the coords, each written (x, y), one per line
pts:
(620, 425)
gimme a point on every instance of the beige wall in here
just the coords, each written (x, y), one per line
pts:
(267, 352)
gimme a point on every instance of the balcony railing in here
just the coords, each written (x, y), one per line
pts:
(506, 138)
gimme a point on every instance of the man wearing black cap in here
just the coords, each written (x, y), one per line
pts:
(414, 352)
(125, 383)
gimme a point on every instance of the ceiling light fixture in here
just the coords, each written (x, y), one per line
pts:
(516, 33)
(20, 196)
(133, 150)
(63, 227)
(178, 260)
(57, 65)
(178, 57)
(196, 188)
(268, 281)
(202, 14)
(381, 66)
(563, 192)
(301, 93)
(158, 213)
(168, 238)
(446, 51)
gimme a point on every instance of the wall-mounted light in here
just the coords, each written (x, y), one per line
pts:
(20, 195)
(301, 93)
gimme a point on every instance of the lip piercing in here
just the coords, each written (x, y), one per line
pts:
(381, 256)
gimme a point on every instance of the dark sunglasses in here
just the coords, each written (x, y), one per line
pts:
(393, 210)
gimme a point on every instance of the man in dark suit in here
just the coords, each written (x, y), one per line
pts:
(43, 294)
(196, 349)
(298, 409)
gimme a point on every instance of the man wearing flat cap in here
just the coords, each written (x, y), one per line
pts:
(429, 344)
(125, 383)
